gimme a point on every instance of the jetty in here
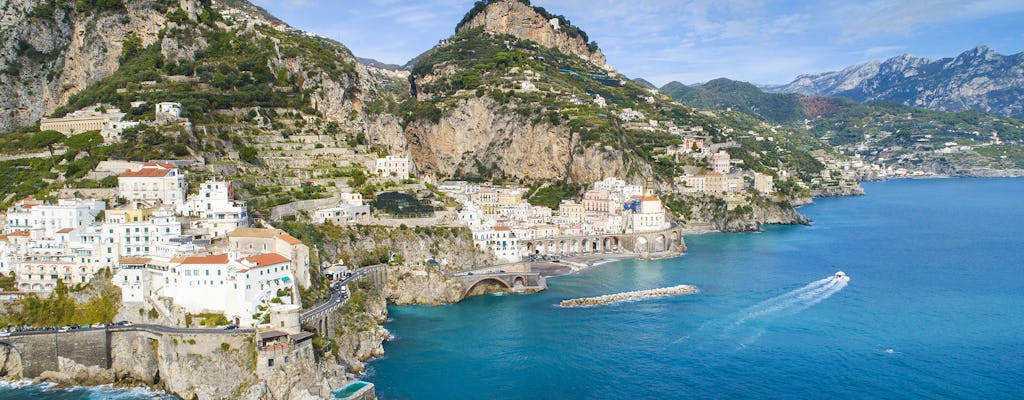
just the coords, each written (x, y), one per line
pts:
(628, 296)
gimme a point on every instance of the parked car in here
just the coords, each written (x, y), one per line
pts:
(230, 327)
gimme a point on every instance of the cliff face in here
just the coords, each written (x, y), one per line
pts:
(360, 336)
(47, 58)
(422, 285)
(206, 366)
(477, 135)
(513, 17)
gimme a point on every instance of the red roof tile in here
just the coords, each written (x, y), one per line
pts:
(145, 173)
(290, 239)
(263, 260)
(158, 164)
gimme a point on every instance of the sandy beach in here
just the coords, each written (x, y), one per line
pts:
(570, 265)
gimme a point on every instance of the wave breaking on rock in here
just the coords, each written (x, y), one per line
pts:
(628, 296)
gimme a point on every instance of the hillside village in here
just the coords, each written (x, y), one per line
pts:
(231, 165)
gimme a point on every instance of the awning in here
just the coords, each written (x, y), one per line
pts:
(286, 279)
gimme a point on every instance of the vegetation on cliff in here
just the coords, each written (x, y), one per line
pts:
(96, 302)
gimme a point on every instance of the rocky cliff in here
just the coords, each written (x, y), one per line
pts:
(360, 336)
(50, 50)
(519, 19)
(479, 137)
(978, 79)
(705, 212)
(205, 366)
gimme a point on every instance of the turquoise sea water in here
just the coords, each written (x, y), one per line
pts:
(934, 309)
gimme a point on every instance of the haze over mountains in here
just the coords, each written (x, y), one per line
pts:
(978, 79)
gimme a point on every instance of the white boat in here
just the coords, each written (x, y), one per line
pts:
(839, 275)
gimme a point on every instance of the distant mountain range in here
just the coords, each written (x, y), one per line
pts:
(978, 79)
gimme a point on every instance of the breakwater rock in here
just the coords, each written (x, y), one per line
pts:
(628, 296)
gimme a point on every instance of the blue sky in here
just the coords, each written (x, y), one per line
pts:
(692, 41)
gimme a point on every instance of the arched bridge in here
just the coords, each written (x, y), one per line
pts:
(648, 244)
(512, 277)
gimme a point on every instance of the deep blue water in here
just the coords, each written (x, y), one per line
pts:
(934, 309)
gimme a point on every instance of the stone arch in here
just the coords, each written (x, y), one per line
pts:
(492, 280)
(676, 238)
(641, 245)
(585, 246)
(659, 245)
(519, 282)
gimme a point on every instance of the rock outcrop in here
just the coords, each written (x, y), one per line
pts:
(516, 18)
(422, 285)
(478, 136)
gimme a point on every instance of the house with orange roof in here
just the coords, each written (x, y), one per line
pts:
(253, 241)
(154, 182)
(228, 283)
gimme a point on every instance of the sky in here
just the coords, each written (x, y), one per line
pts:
(693, 41)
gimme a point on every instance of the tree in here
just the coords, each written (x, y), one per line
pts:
(85, 142)
(47, 139)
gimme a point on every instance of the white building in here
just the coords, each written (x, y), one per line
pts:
(227, 284)
(33, 215)
(138, 233)
(154, 182)
(215, 209)
(471, 215)
(342, 214)
(649, 215)
(393, 167)
(168, 110)
(764, 183)
(108, 121)
(255, 241)
(720, 162)
(500, 241)
(618, 185)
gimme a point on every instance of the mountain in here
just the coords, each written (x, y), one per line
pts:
(978, 79)
(525, 22)
(369, 62)
(513, 95)
(744, 97)
(969, 143)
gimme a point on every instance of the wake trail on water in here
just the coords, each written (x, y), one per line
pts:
(740, 329)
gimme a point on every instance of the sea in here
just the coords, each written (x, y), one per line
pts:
(932, 307)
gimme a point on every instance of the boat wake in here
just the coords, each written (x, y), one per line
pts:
(742, 329)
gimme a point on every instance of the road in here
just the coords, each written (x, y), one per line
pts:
(337, 296)
(146, 327)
